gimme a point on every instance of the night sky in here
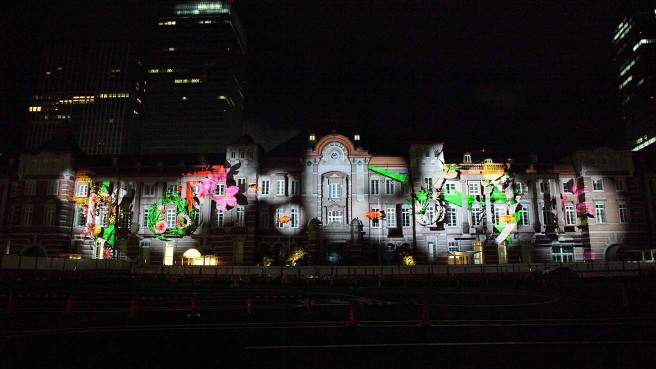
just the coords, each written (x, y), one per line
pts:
(513, 75)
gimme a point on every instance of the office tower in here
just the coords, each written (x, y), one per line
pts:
(92, 86)
(634, 42)
(194, 101)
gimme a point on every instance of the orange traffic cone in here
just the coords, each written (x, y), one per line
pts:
(10, 305)
(248, 311)
(425, 320)
(193, 310)
(68, 309)
(308, 306)
(135, 307)
(353, 320)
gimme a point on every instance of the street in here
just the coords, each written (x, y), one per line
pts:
(151, 323)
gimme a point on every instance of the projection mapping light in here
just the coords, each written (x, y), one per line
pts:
(99, 210)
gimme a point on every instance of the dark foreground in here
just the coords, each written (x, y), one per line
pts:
(124, 323)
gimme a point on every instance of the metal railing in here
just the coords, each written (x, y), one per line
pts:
(10, 263)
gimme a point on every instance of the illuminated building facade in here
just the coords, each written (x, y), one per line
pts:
(634, 42)
(194, 98)
(333, 201)
(93, 86)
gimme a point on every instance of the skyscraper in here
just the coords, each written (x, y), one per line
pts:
(94, 87)
(634, 42)
(194, 100)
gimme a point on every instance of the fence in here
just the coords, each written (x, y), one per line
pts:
(57, 266)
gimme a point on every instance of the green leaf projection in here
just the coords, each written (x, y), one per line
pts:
(171, 216)
(388, 173)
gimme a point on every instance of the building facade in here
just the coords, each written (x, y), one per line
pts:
(195, 76)
(634, 43)
(334, 203)
(93, 86)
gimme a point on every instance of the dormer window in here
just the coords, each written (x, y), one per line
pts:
(356, 137)
(313, 137)
(466, 158)
(487, 161)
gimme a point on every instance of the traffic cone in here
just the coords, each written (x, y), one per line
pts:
(248, 311)
(308, 306)
(10, 304)
(425, 320)
(353, 320)
(135, 307)
(193, 311)
(68, 309)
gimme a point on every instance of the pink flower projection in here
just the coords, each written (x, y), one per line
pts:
(161, 226)
(207, 187)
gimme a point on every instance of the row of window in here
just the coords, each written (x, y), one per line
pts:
(265, 187)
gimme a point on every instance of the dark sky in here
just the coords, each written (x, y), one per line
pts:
(483, 74)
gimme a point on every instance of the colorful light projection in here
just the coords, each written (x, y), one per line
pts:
(166, 220)
(99, 209)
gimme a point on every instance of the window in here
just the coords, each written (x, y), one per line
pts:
(520, 188)
(570, 215)
(405, 217)
(562, 254)
(449, 187)
(620, 184)
(13, 191)
(476, 216)
(600, 213)
(233, 154)
(144, 219)
(292, 187)
(80, 216)
(14, 214)
(103, 216)
(220, 218)
(265, 187)
(335, 190)
(451, 219)
(428, 183)
(597, 184)
(220, 189)
(334, 216)
(389, 187)
(390, 215)
(170, 218)
(82, 189)
(49, 215)
(295, 218)
(568, 186)
(499, 211)
(242, 154)
(544, 187)
(124, 219)
(430, 214)
(453, 246)
(623, 213)
(279, 214)
(53, 188)
(522, 213)
(265, 217)
(30, 187)
(148, 190)
(28, 212)
(474, 187)
(375, 187)
(240, 216)
(280, 187)
(547, 216)
(375, 223)
(467, 158)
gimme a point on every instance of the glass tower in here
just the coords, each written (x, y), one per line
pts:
(634, 43)
(194, 77)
